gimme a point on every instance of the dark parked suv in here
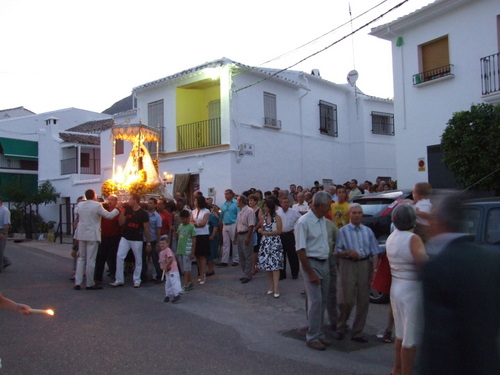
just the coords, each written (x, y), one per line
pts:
(482, 220)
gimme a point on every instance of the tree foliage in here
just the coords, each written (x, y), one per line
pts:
(471, 146)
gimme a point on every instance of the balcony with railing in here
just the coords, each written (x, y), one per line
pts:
(490, 74)
(88, 166)
(199, 134)
(270, 122)
(433, 74)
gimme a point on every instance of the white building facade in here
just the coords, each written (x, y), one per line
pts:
(227, 125)
(445, 58)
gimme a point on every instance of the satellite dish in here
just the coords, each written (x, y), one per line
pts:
(352, 77)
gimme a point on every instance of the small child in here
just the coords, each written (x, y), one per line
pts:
(169, 266)
(421, 193)
(186, 241)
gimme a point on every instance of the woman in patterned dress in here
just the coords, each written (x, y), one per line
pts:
(271, 250)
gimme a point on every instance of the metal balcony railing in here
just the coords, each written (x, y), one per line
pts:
(199, 134)
(432, 74)
(70, 166)
(490, 74)
(272, 122)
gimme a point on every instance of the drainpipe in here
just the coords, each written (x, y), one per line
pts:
(302, 128)
(399, 43)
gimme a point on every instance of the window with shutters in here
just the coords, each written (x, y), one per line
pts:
(328, 118)
(155, 120)
(270, 111)
(434, 60)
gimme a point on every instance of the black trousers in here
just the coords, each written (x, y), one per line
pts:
(155, 256)
(288, 242)
(106, 253)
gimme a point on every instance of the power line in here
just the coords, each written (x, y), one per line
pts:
(323, 35)
(323, 49)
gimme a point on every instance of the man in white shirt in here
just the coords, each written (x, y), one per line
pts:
(244, 237)
(289, 217)
(88, 234)
(301, 205)
(4, 230)
(313, 250)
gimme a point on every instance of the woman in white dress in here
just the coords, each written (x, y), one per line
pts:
(406, 254)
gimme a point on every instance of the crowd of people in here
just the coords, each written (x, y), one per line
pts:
(320, 234)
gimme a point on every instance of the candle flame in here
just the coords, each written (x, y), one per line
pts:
(50, 312)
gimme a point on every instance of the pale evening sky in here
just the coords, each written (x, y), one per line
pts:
(90, 54)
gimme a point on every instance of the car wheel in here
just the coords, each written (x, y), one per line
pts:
(377, 297)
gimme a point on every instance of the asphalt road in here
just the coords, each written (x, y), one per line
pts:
(222, 327)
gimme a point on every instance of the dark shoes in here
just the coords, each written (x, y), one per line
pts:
(234, 264)
(94, 287)
(167, 299)
(221, 264)
(176, 299)
(339, 336)
(77, 287)
(361, 339)
(325, 342)
(245, 280)
(316, 345)
(210, 273)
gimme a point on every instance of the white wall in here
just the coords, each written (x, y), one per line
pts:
(422, 111)
(297, 153)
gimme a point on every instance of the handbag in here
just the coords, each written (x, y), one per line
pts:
(383, 278)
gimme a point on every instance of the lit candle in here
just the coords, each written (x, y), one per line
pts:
(40, 311)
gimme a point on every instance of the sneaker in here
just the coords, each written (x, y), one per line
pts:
(115, 284)
(188, 287)
(166, 299)
(137, 285)
(176, 298)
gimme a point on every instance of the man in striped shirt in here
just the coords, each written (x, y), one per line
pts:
(357, 249)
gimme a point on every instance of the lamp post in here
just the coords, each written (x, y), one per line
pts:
(168, 178)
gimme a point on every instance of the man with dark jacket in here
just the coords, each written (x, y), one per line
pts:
(461, 284)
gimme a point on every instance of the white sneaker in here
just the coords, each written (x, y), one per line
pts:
(115, 284)
(137, 285)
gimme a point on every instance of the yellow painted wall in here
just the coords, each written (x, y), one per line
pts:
(192, 104)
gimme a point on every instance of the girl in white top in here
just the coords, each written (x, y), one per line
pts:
(199, 218)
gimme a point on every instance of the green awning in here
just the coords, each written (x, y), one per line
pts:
(19, 149)
(27, 183)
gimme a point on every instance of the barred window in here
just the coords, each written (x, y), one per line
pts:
(270, 111)
(328, 118)
(382, 123)
(155, 120)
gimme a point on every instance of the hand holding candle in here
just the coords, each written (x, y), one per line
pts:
(40, 311)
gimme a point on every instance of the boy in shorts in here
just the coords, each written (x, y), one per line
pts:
(169, 266)
(186, 241)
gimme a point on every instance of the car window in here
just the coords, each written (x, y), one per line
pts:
(471, 220)
(374, 207)
(493, 227)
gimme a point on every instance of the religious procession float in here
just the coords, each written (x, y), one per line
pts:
(140, 174)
